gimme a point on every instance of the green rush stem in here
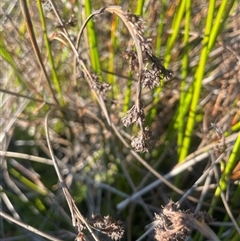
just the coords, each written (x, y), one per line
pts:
(197, 83)
(160, 28)
(28, 183)
(32, 37)
(94, 55)
(139, 10)
(231, 163)
(185, 66)
(223, 228)
(236, 127)
(53, 69)
(211, 33)
(112, 47)
(175, 30)
(234, 234)
(168, 54)
(222, 15)
(9, 59)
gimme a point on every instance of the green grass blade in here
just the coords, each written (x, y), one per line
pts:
(197, 83)
(236, 127)
(9, 59)
(211, 34)
(175, 31)
(29, 184)
(168, 53)
(160, 28)
(222, 15)
(50, 57)
(94, 55)
(139, 9)
(232, 162)
(185, 66)
(234, 201)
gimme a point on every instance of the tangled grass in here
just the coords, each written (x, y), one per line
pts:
(106, 117)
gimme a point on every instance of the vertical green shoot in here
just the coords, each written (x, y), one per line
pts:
(197, 83)
(175, 31)
(172, 39)
(185, 66)
(160, 28)
(139, 9)
(94, 55)
(232, 162)
(49, 52)
(112, 48)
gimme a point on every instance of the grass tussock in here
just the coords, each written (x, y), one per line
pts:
(120, 122)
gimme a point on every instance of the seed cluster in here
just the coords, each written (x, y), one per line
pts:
(114, 229)
(133, 116)
(219, 140)
(140, 143)
(101, 88)
(156, 71)
(149, 76)
(175, 224)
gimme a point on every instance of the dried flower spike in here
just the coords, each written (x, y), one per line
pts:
(80, 237)
(131, 57)
(219, 139)
(136, 21)
(175, 224)
(132, 116)
(100, 88)
(106, 225)
(150, 78)
(140, 143)
(46, 5)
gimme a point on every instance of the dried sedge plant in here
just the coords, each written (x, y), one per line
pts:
(148, 69)
(143, 63)
(219, 139)
(175, 224)
(172, 223)
(105, 225)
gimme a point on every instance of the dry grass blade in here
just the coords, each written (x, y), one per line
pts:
(33, 40)
(28, 227)
(77, 218)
